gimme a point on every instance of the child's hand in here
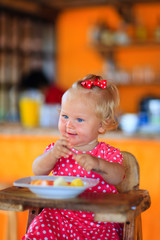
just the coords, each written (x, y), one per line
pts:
(87, 161)
(61, 148)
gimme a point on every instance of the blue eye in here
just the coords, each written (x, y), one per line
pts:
(65, 116)
(80, 120)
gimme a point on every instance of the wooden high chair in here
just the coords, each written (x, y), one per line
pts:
(130, 182)
(9, 220)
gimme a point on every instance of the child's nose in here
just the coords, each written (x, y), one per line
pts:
(70, 124)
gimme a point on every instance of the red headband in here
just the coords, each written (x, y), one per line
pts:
(100, 83)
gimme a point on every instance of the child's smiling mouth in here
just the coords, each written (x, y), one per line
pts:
(71, 134)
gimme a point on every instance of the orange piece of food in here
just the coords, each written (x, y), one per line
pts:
(42, 182)
(47, 183)
(36, 182)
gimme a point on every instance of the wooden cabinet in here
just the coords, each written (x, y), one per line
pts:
(26, 43)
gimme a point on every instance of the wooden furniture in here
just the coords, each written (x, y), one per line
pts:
(10, 230)
(20, 49)
(130, 182)
(124, 207)
(44, 7)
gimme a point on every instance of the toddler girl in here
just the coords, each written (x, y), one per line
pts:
(87, 110)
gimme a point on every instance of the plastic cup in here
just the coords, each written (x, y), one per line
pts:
(29, 107)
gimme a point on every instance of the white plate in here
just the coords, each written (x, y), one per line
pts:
(55, 192)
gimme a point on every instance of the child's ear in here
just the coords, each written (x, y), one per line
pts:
(101, 128)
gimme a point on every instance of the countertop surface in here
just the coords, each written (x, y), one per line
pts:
(18, 129)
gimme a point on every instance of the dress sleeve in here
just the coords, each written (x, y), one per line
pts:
(49, 147)
(112, 154)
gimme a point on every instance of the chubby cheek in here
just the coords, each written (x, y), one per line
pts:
(81, 130)
(62, 126)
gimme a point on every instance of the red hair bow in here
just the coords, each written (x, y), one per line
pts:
(100, 83)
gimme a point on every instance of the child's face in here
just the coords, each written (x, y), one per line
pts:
(78, 121)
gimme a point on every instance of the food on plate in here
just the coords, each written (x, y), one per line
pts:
(77, 183)
(36, 182)
(42, 182)
(58, 182)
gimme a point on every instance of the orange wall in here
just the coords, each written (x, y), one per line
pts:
(130, 96)
(76, 57)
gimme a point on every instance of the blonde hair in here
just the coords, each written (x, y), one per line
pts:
(106, 100)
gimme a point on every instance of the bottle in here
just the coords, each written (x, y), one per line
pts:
(106, 35)
(141, 31)
(121, 36)
(157, 31)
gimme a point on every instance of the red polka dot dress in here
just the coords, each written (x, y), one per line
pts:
(61, 224)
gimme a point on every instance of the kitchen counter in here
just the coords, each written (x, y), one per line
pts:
(18, 129)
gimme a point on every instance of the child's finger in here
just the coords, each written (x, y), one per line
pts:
(68, 139)
(79, 159)
(71, 152)
(88, 168)
(63, 142)
(65, 136)
(63, 148)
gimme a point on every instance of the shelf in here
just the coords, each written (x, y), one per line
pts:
(141, 85)
(104, 49)
(50, 9)
(31, 53)
(7, 85)
(63, 4)
(34, 9)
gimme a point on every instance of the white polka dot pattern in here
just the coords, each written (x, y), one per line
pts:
(60, 224)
